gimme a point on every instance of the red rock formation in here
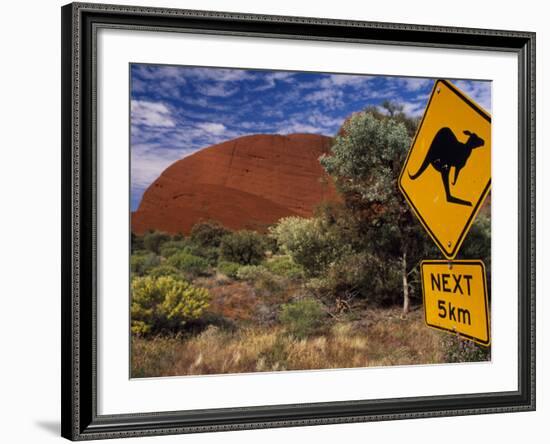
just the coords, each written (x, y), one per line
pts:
(249, 182)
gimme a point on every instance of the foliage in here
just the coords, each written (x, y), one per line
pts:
(302, 318)
(458, 349)
(141, 262)
(210, 254)
(136, 242)
(309, 242)
(284, 266)
(365, 162)
(164, 304)
(208, 234)
(368, 157)
(477, 244)
(172, 247)
(164, 269)
(230, 269)
(243, 246)
(361, 275)
(189, 263)
(260, 277)
(251, 272)
(153, 240)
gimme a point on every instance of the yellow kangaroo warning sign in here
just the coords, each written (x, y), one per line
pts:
(447, 173)
(455, 298)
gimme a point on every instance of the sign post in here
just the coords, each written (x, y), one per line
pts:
(445, 179)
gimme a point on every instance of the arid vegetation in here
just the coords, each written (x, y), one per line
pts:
(336, 290)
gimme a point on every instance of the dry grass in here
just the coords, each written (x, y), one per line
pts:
(381, 338)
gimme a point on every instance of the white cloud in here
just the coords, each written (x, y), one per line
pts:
(219, 75)
(328, 123)
(298, 127)
(151, 114)
(479, 91)
(149, 161)
(270, 79)
(212, 128)
(218, 90)
(346, 80)
(155, 72)
(331, 97)
(415, 84)
(414, 109)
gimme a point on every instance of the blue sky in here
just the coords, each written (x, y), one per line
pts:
(177, 110)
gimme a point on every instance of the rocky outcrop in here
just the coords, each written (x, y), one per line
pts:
(249, 182)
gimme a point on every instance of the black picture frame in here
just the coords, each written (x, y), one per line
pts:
(80, 420)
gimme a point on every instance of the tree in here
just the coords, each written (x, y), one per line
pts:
(392, 108)
(365, 162)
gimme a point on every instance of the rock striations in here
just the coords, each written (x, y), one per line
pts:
(249, 182)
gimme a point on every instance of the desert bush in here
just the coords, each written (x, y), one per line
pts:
(251, 272)
(153, 240)
(164, 269)
(142, 262)
(136, 242)
(189, 263)
(260, 277)
(172, 247)
(302, 318)
(230, 269)
(458, 349)
(284, 266)
(477, 244)
(244, 247)
(309, 242)
(210, 254)
(208, 234)
(364, 276)
(164, 304)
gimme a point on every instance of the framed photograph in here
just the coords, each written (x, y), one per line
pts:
(281, 221)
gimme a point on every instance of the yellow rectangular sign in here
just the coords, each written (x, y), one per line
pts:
(455, 298)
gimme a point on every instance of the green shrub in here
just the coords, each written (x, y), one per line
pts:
(251, 272)
(189, 263)
(244, 247)
(153, 240)
(208, 234)
(164, 304)
(260, 277)
(284, 266)
(172, 247)
(366, 276)
(458, 349)
(142, 262)
(165, 270)
(477, 244)
(302, 318)
(310, 243)
(136, 242)
(230, 269)
(210, 254)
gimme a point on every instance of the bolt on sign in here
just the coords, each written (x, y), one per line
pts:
(455, 298)
(447, 173)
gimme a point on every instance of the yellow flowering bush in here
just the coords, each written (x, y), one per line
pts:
(165, 303)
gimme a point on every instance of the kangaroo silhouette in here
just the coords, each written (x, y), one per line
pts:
(447, 151)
